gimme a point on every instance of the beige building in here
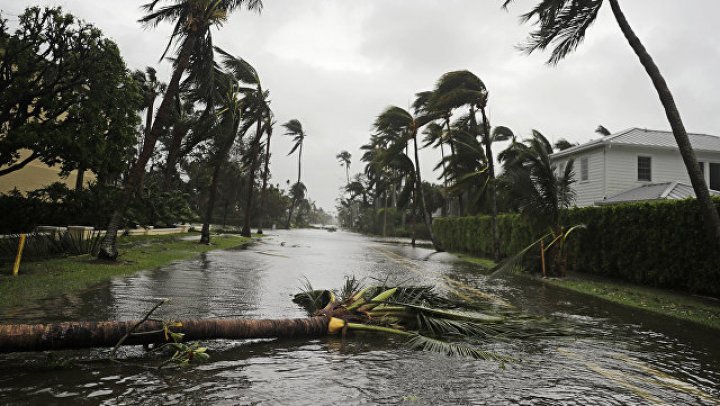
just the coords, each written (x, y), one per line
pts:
(37, 175)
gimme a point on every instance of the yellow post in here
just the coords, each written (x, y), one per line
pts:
(21, 247)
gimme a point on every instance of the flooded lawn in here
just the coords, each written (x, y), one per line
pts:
(619, 356)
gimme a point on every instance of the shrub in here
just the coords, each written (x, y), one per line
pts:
(660, 244)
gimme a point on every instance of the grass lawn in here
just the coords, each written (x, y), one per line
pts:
(668, 303)
(55, 277)
(681, 306)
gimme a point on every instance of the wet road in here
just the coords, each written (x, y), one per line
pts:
(620, 357)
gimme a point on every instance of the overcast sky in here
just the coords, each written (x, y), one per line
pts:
(335, 64)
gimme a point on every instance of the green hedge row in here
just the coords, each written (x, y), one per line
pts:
(660, 244)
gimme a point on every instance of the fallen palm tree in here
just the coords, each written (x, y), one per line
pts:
(425, 319)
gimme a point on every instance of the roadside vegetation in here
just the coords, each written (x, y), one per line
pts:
(71, 275)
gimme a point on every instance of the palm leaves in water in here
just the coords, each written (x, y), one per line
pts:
(428, 320)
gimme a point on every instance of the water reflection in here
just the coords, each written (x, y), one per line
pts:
(621, 356)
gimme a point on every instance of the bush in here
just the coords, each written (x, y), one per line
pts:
(660, 244)
(57, 205)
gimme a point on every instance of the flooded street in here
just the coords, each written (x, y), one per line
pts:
(619, 356)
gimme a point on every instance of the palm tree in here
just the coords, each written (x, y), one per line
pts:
(562, 25)
(295, 129)
(298, 192)
(532, 182)
(226, 132)
(464, 89)
(397, 121)
(192, 34)
(344, 158)
(268, 130)
(257, 103)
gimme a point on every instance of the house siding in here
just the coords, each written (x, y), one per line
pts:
(589, 191)
(667, 166)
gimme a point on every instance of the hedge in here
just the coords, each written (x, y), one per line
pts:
(661, 244)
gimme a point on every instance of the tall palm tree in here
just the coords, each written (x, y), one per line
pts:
(268, 130)
(257, 104)
(344, 158)
(226, 132)
(192, 34)
(395, 120)
(562, 25)
(295, 129)
(464, 89)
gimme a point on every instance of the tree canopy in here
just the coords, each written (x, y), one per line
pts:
(65, 94)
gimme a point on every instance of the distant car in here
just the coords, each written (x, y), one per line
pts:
(331, 229)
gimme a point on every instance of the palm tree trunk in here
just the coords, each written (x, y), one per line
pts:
(290, 213)
(76, 335)
(205, 234)
(425, 213)
(385, 215)
(707, 207)
(178, 134)
(461, 207)
(251, 179)
(149, 114)
(266, 172)
(108, 249)
(493, 190)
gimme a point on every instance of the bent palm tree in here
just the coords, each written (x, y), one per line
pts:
(295, 129)
(563, 24)
(192, 33)
(344, 158)
(393, 121)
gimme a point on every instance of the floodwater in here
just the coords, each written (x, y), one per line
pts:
(618, 356)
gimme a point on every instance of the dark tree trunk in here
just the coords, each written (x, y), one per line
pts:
(493, 189)
(266, 172)
(707, 207)
(205, 234)
(418, 178)
(178, 134)
(461, 206)
(292, 208)
(108, 249)
(80, 179)
(251, 179)
(77, 335)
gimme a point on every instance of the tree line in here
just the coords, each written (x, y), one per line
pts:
(204, 137)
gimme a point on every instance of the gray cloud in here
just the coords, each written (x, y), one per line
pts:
(335, 64)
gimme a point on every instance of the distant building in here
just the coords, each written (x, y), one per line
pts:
(638, 165)
(37, 175)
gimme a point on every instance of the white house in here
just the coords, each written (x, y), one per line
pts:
(638, 165)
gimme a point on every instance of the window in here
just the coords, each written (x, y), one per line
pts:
(644, 168)
(584, 169)
(714, 176)
(702, 167)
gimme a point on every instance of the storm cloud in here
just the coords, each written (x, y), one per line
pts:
(335, 64)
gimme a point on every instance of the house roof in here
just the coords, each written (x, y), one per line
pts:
(654, 191)
(646, 138)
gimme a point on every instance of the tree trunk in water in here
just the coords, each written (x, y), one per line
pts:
(251, 180)
(108, 249)
(493, 192)
(426, 215)
(707, 207)
(205, 234)
(76, 335)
